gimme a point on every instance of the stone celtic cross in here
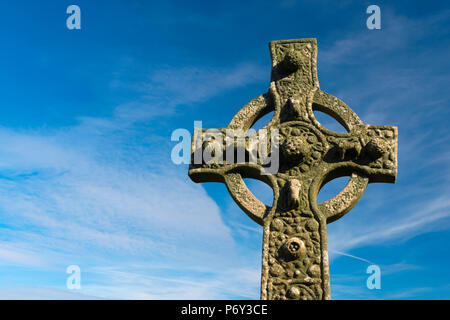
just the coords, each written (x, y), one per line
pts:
(295, 255)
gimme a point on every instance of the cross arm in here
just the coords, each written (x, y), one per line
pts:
(367, 154)
(369, 149)
(228, 156)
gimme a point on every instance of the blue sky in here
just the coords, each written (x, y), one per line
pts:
(85, 123)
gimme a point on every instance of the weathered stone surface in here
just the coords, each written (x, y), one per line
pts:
(295, 255)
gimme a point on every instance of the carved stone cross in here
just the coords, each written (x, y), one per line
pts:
(295, 255)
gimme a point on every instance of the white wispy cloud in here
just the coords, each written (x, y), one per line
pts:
(41, 293)
(89, 195)
(407, 223)
(366, 45)
(167, 88)
(223, 284)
